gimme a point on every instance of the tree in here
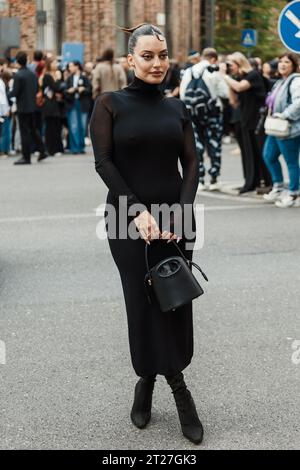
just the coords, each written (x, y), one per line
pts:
(232, 16)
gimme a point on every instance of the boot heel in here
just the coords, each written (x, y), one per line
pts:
(191, 425)
(141, 409)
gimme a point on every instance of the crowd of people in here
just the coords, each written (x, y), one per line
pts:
(45, 107)
(241, 95)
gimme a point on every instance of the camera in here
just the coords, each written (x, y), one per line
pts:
(228, 68)
(213, 68)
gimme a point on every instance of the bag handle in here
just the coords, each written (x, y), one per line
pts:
(146, 254)
(188, 262)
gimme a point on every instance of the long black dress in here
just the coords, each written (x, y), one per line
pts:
(138, 137)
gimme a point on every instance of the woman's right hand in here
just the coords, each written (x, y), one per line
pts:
(147, 226)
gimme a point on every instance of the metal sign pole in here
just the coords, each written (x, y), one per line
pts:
(210, 22)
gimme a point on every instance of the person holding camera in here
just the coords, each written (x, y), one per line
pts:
(208, 132)
(248, 90)
(284, 104)
(77, 95)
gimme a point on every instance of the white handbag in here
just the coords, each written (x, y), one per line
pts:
(277, 127)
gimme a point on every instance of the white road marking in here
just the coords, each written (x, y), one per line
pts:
(41, 218)
(228, 197)
(237, 207)
(57, 217)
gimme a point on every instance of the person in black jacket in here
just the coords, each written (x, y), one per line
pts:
(77, 101)
(25, 88)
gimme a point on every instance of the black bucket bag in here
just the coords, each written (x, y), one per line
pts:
(171, 281)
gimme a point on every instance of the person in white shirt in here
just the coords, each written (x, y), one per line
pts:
(208, 136)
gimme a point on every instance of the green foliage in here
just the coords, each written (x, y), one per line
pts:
(234, 15)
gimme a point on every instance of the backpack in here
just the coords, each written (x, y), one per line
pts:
(199, 102)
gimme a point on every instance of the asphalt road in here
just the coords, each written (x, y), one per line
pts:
(67, 382)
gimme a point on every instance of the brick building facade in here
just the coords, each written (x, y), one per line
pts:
(45, 24)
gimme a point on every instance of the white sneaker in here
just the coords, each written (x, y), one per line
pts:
(274, 195)
(226, 139)
(214, 186)
(201, 187)
(289, 200)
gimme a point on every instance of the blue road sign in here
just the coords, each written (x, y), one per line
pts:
(289, 26)
(72, 51)
(249, 37)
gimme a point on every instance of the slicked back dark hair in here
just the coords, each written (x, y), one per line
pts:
(143, 29)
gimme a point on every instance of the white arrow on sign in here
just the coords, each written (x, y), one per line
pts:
(293, 18)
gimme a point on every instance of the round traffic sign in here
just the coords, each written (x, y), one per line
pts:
(289, 26)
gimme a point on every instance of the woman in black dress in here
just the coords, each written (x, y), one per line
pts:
(138, 136)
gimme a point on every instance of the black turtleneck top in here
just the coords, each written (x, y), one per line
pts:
(138, 136)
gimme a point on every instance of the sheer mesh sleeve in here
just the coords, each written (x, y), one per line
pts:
(190, 168)
(189, 163)
(101, 127)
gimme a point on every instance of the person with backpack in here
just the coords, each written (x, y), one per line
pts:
(284, 104)
(201, 89)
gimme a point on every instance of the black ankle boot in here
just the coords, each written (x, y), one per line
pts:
(190, 424)
(141, 408)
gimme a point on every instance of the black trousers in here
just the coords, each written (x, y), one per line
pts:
(29, 133)
(239, 138)
(53, 140)
(255, 169)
